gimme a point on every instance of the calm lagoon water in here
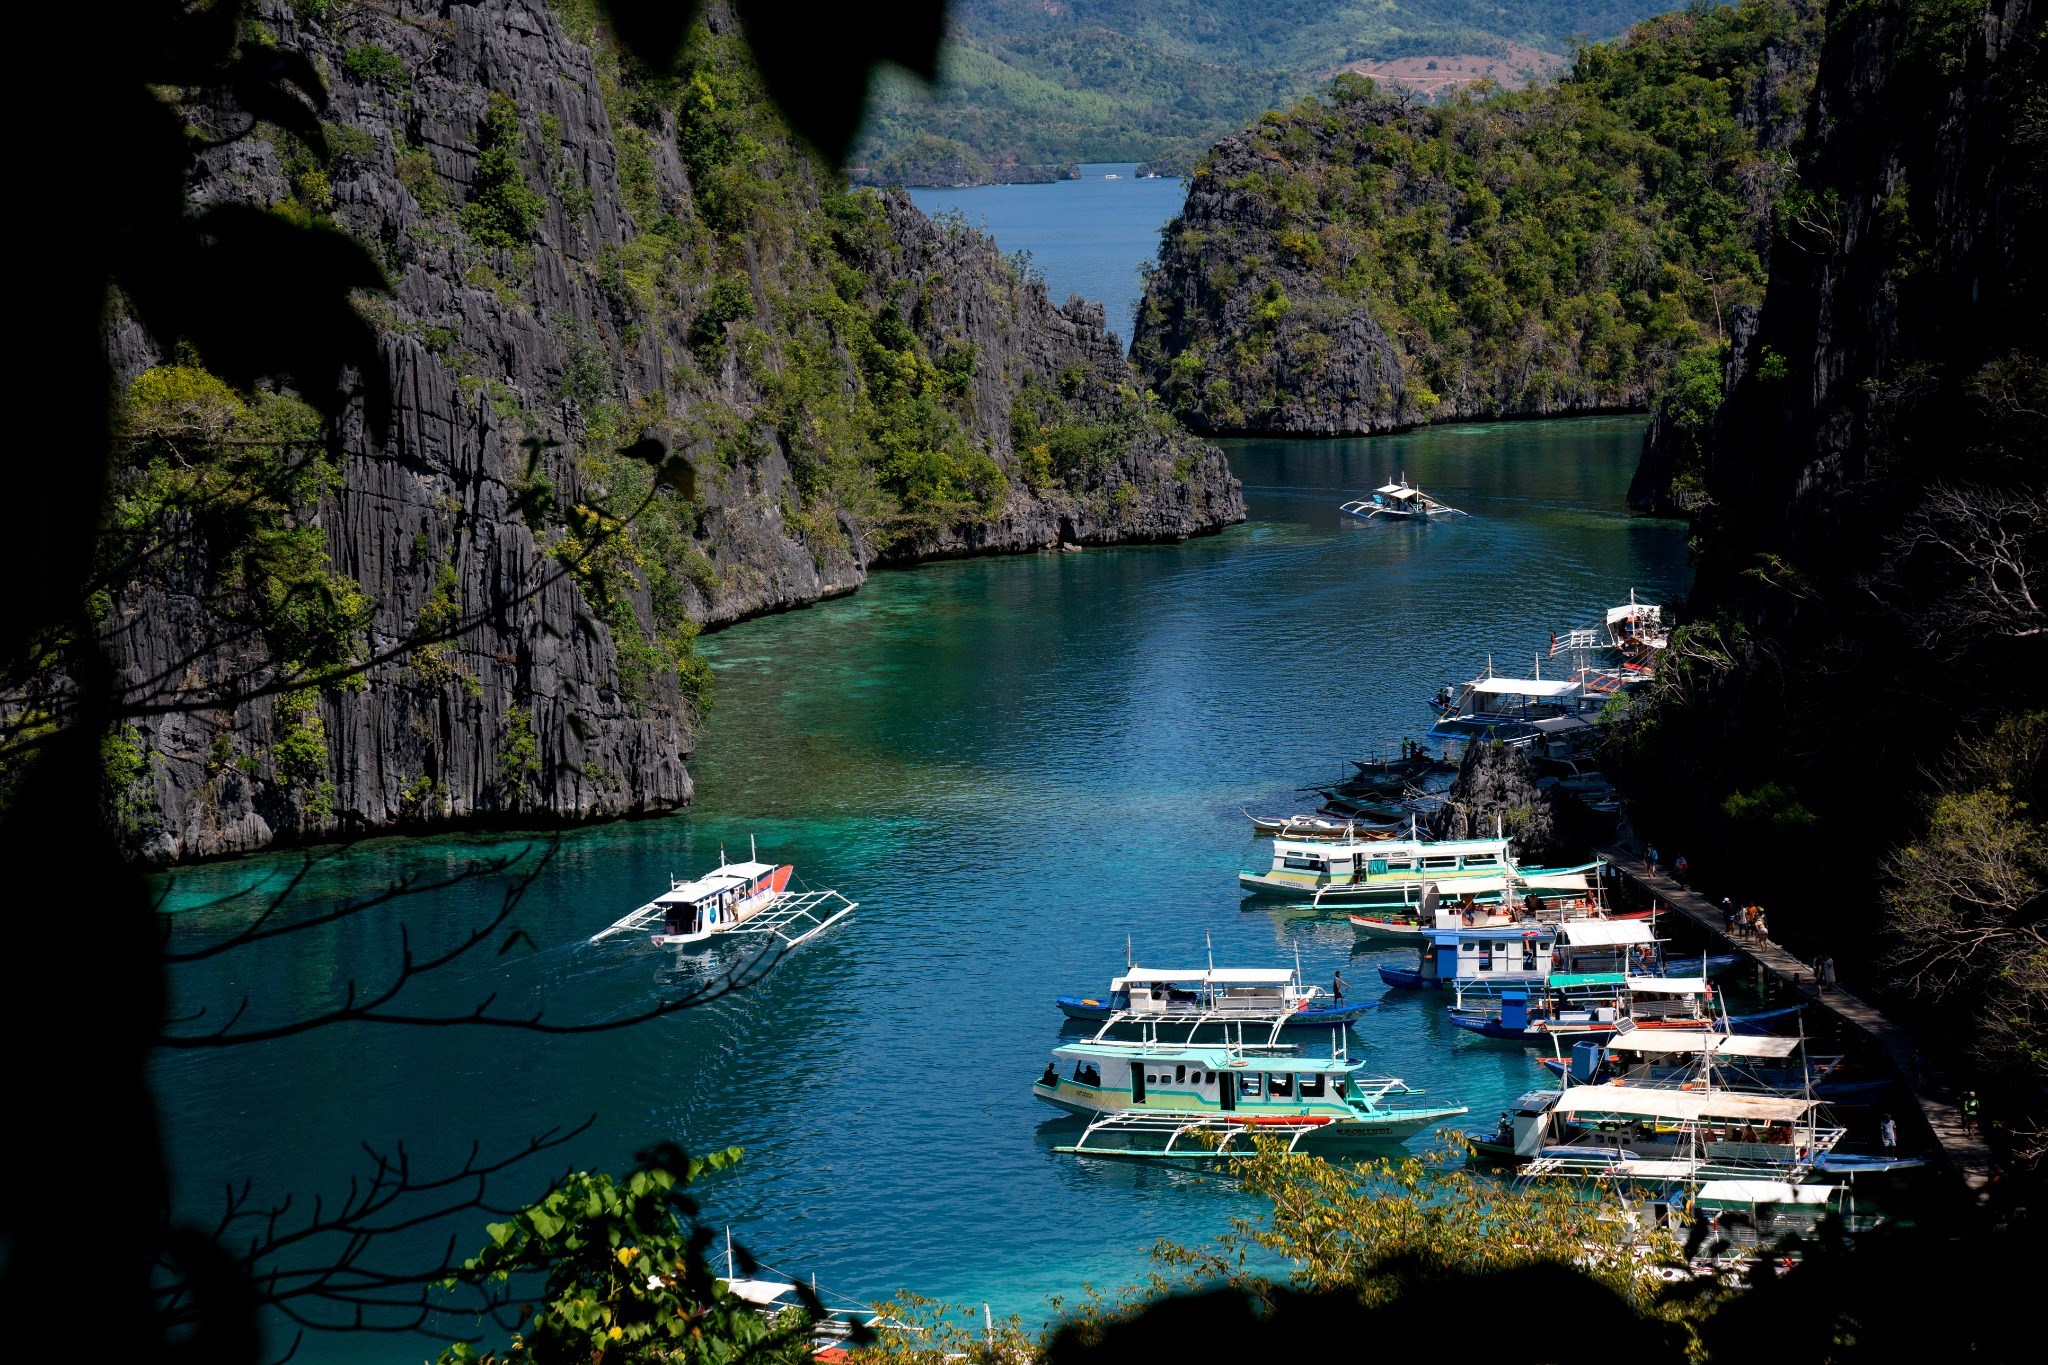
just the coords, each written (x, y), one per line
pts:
(1090, 236)
(1015, 765)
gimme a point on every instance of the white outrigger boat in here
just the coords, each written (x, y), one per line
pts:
(1203, 1103)
(750, 899)
(1401, 501)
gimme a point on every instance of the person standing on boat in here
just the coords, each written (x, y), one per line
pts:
(1337, 985)
(1888, 1135)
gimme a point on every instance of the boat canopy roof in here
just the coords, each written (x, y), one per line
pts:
(760, 1293)
(1518, 930)
(711, 883)
(1668, 985)
(1693, 1042)
(1213, 976)
(1605, 933)
(1764, 1192)
(1632, 610)
(1646, 1102)
(1537, 880)
(1524, 687)
(1212, 1057)
(1396, 848)
(1398, 490)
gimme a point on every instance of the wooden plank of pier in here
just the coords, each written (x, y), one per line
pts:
(1938, 1101)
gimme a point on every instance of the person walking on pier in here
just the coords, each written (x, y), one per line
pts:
(1969, 1111)
(1728, 918)
(1680, 869)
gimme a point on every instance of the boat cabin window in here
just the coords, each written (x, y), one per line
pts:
(1180, 1074)
(1312, 1086)
(1306, 861)
(1280, 1087)
(1085, 1073)
(1399, 865)
(1439, 863)
(1481, 860)
(1248, 1085)
(1337, 1086)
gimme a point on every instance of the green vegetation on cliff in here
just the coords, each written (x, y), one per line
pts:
(1135, 80)
(1361, 262)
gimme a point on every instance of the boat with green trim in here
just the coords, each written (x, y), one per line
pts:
(1386, 873)
(1161, 1100)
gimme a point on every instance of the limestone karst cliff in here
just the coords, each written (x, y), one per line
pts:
(1873, 526)
(587, 260)
(1363, 262)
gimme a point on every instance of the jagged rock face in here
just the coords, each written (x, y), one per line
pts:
(495, 361)
(1496, 789)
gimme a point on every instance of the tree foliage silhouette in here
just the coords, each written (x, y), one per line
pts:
(256, 298)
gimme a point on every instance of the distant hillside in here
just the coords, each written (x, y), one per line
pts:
(1052, 81)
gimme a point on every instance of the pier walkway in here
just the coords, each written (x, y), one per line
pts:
(1939, 1104)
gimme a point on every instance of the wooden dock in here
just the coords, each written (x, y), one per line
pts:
(1939, 1104)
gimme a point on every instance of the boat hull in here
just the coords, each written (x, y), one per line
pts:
(1335, 1133)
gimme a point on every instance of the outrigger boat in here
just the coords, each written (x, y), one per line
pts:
(1396, 874)
(1587, 957)
(1593, 1005)
(1636, 630)
(750, 898)
(1674, 1058)
(1614, 1130)
(832, 1327)
(1544, 896)
(1164, 1101)
(1151, 997)
(1401, 501)
(1549, 715)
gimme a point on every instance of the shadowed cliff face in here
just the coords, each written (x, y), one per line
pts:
(1875, 527)
(842, 375)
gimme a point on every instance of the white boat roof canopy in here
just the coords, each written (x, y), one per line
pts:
(1605, 933)
(1765, 1192)
(1638, 1101)
(1214, 976)
(1525, 687)
(1668, 985)
(1693, 1042)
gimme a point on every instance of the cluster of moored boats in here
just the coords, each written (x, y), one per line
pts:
(1657, 1082)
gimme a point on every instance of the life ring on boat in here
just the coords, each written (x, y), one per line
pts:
(1237, 1062)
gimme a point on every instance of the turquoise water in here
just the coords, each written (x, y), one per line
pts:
(1090, 236)
(1014, 765)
